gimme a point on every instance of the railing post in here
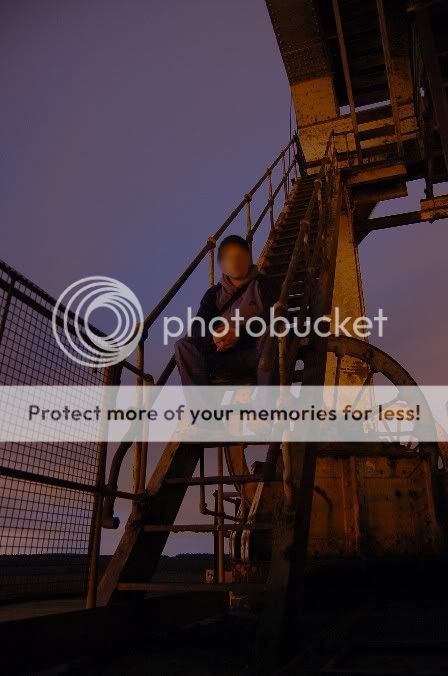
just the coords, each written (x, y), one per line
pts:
(294, 166)
(347, 150)
(215, 540)
(142, 382)
(285, 176)
(249, 221)
(320, 205)
(220, 520)
(429, 170)
(143, 462)
(138, 445)
(301, 160)
(202, 501)
(7, 305)
(271, 201)
(112, 376)
(211, 242)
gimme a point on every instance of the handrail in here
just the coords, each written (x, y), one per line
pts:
(211, 242)
(297, 165)
(322, 188)
(321, 197)
(299, 162)
(171, 364)
(104, 509)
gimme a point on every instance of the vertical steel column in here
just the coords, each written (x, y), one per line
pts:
(220, 521)
(434, 76)
(138, 445)
(278, 624)
(388, 64)
(145, 441)
(348, 83)
(215, 541)
(112, 376)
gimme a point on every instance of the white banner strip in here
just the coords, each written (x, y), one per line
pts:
(226, 414)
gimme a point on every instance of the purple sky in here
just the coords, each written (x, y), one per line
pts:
(129, 130)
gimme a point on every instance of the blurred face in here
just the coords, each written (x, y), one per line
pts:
(235, 261)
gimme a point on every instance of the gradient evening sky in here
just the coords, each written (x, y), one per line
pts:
(131, 128)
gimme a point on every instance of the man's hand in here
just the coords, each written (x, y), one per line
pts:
(225, 340)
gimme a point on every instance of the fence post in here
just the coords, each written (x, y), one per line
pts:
(112, 376)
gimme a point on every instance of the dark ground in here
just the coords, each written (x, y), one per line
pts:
(39, 576)
(388, 618)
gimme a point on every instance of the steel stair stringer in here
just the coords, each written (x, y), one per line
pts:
(139, 551)
(293, 512)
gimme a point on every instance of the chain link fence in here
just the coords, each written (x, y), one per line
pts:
(44, 529)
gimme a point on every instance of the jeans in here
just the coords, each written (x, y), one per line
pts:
(197, 360)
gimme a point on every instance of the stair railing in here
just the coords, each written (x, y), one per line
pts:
(294, 166)
(424, 109)
(319, 205)
(290, 163)
(320, 200)
(291, 167)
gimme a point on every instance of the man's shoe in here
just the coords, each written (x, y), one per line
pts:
(198, 433)
(190, 434)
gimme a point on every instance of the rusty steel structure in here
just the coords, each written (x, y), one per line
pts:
(369, 87)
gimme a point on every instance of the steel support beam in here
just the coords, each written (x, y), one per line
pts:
(383, 222)
(291, 524)
(388, 64)
(434, 75)
(347, 78)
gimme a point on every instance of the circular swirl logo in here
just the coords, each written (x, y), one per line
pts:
(74, 308)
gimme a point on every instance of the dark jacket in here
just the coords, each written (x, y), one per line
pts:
(210, 308)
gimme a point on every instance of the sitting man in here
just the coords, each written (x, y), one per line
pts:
(243, 288)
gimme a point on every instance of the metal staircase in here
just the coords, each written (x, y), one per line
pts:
(364, 52)
(375, 73)
(299, 258)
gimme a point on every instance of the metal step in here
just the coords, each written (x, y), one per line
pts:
(369, 80)
(206, 528)
(364, 62)
(289, 225)
(212, 480)
(373, 114)
(236, 587)
(385, 130)
(286, 237)
(390, 658)
(279, 257)
(276, 272)
(365, 97)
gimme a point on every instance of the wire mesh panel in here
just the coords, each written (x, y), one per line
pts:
(44, 529)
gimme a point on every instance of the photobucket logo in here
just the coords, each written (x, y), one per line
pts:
(77, 339)
(276, 326)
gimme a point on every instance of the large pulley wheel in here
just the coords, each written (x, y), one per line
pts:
(373, 362)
